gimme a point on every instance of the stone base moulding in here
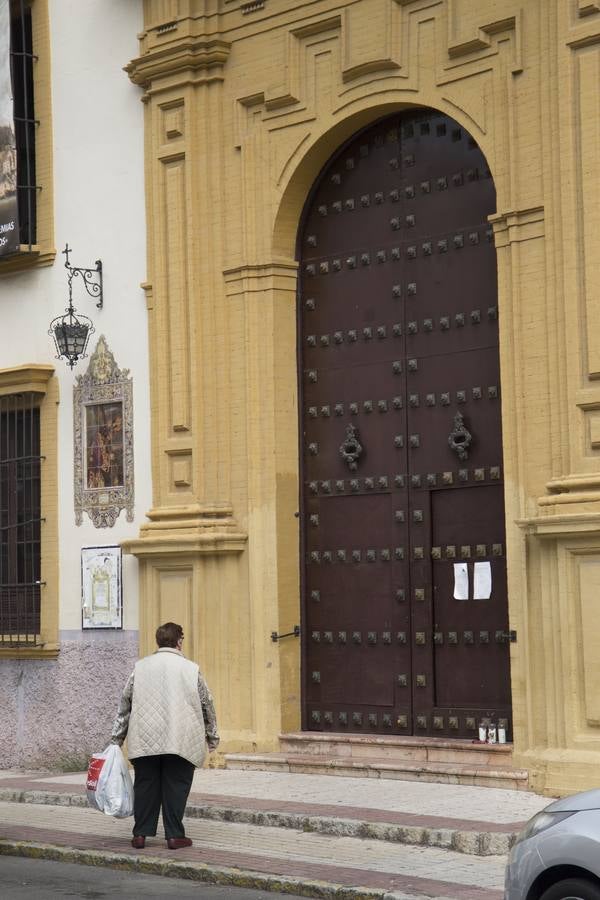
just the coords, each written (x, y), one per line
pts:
(562, 755)
(178, 578)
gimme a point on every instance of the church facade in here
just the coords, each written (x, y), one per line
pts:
(347, 430)
(375, 360)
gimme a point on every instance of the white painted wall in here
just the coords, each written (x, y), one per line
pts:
(99, 211)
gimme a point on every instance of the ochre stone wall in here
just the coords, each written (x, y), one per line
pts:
(245, 102)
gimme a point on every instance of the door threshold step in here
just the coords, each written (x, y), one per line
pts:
(395, 747)
(496, 776)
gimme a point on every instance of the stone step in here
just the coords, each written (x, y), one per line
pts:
(393, 747)
(471, 837)
(481, 775)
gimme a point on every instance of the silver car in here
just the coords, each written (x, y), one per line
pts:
(557, 855)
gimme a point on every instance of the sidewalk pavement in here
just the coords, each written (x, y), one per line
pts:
(315, 835)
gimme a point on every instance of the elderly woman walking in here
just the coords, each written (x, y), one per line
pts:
(167, 714)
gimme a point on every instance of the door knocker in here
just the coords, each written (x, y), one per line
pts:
(460, 438)
(351, 449)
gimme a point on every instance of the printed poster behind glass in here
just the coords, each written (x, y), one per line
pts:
(9, 225)
(101, 587)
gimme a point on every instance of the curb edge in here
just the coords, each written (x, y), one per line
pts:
(190, 871)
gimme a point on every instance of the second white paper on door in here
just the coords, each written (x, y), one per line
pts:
(482, 581)
(461, 581)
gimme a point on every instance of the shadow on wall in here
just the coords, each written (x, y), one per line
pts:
(58, 712)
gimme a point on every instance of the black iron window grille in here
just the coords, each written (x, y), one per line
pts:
(22, 65)
(20, 519)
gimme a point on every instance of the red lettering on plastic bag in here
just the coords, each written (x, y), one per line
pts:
(109, 784)
(94, 769)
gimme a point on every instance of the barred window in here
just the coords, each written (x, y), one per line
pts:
(20, 519)
(22, 63)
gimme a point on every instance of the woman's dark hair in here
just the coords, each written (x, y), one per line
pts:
(169, 634)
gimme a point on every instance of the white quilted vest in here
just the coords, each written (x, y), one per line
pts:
(166, 713)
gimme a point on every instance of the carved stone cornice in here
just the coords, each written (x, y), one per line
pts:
(199, 540)
(276, 275)
(570, 509)
(185, 530)
(190, 54)
(552, 527)
(517, 225)
(27, 258)
(569, 485)
(33, 377)
(215, 544)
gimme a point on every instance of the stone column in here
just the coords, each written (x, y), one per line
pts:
(189, 551)
(222, 336)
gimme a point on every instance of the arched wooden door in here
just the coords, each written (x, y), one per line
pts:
(405, 616)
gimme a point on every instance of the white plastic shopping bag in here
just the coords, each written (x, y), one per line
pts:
(109, 784)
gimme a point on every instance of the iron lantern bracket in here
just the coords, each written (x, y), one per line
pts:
(92, 278)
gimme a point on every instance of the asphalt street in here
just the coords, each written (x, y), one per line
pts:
(40, 879)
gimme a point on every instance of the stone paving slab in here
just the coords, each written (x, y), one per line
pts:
(218, 806)
(344, 813)
(338, 863)
(490, 805)
(478, 839)
(454, 801)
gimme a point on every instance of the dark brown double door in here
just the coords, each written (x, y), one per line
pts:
(405, 626)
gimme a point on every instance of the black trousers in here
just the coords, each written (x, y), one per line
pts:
(163, 780)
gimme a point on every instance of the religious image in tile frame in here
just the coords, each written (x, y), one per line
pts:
(104, 445)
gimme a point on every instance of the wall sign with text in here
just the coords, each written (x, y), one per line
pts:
(101, 587)
(9, 223)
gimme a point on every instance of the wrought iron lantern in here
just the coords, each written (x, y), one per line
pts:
(71, 331)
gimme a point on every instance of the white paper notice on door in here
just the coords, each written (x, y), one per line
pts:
(482, 581)
(461, 581)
